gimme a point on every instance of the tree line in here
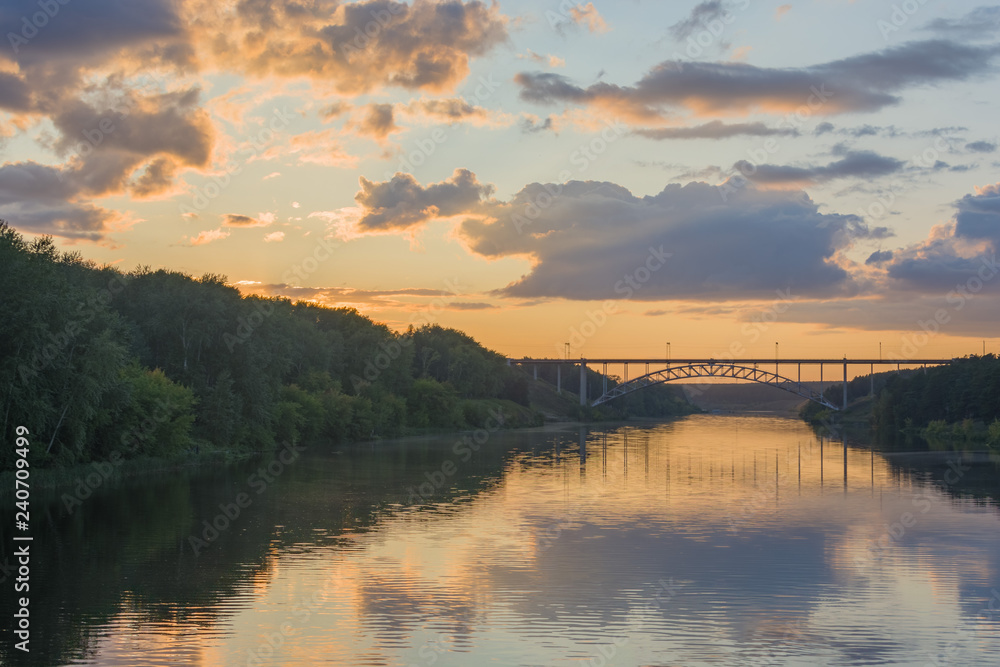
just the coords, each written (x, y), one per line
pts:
(95, 360)
(960, 400)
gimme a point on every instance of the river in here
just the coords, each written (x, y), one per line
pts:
(710, 540)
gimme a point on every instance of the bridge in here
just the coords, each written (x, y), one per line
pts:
(737, 369)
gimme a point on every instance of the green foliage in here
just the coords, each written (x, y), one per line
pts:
(956, 401)
(432, 404)
(95, 361)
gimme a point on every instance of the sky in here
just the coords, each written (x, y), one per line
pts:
(719, 176)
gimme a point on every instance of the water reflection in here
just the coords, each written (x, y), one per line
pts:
(710, 540)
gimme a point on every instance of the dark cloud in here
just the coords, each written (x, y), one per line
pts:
(331, 111)
(170, 124)
(854, 164)
(86, 31)
(716, 130)
(403, 204)
(47, 200)
(157, 178)
(866, 82)
(451, 110)
(470, 305)
(239, 220)
(594, 237)
(953, 253)
(378, 122)
(531, 125)
(981, 146)
(701, 14)
(978, 215)
(823, 128)
(15, 95)
(982, 22)
(879, 257)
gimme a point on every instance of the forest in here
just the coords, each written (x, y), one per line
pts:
(100, 363)
(957, 401)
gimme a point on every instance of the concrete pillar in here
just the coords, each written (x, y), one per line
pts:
(534, 368)
(845, 383)
(558, 378)
(583, 383)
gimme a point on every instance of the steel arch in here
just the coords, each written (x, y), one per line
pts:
(711, 369)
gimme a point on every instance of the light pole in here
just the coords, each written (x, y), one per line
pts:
(567, 350)
(880, 350)
(668, 352)
(775, 357)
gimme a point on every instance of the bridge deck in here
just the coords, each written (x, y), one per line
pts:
(728, 362)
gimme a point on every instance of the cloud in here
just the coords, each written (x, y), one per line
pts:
(274, 237)
(413, 298)
(548, 59)
(866, 82)
(334, 110)
(82, 33)
(596, 237)
(981, 146)
(449, 110)
(781, 11)
(470, 305)
(587, 15)
(854, 164)
(953, 252)
(355, 47)
(716, 130)
(318, 147)
(531, 124)
(237, 220)
(156, 180)
(402, 204)
(52, 200)
(702, 14)
(982, 22)
(206, 237)
(879, 257)
(378, 122)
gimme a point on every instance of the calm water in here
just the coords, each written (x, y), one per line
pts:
(713, 540)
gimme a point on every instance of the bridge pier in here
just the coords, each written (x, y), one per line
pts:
(559, 379)
(845, 383)
(583, 383)
(534, 368)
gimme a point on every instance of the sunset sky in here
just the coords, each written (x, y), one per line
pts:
(617, 175)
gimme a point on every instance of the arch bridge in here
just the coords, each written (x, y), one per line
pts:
(737, 369)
